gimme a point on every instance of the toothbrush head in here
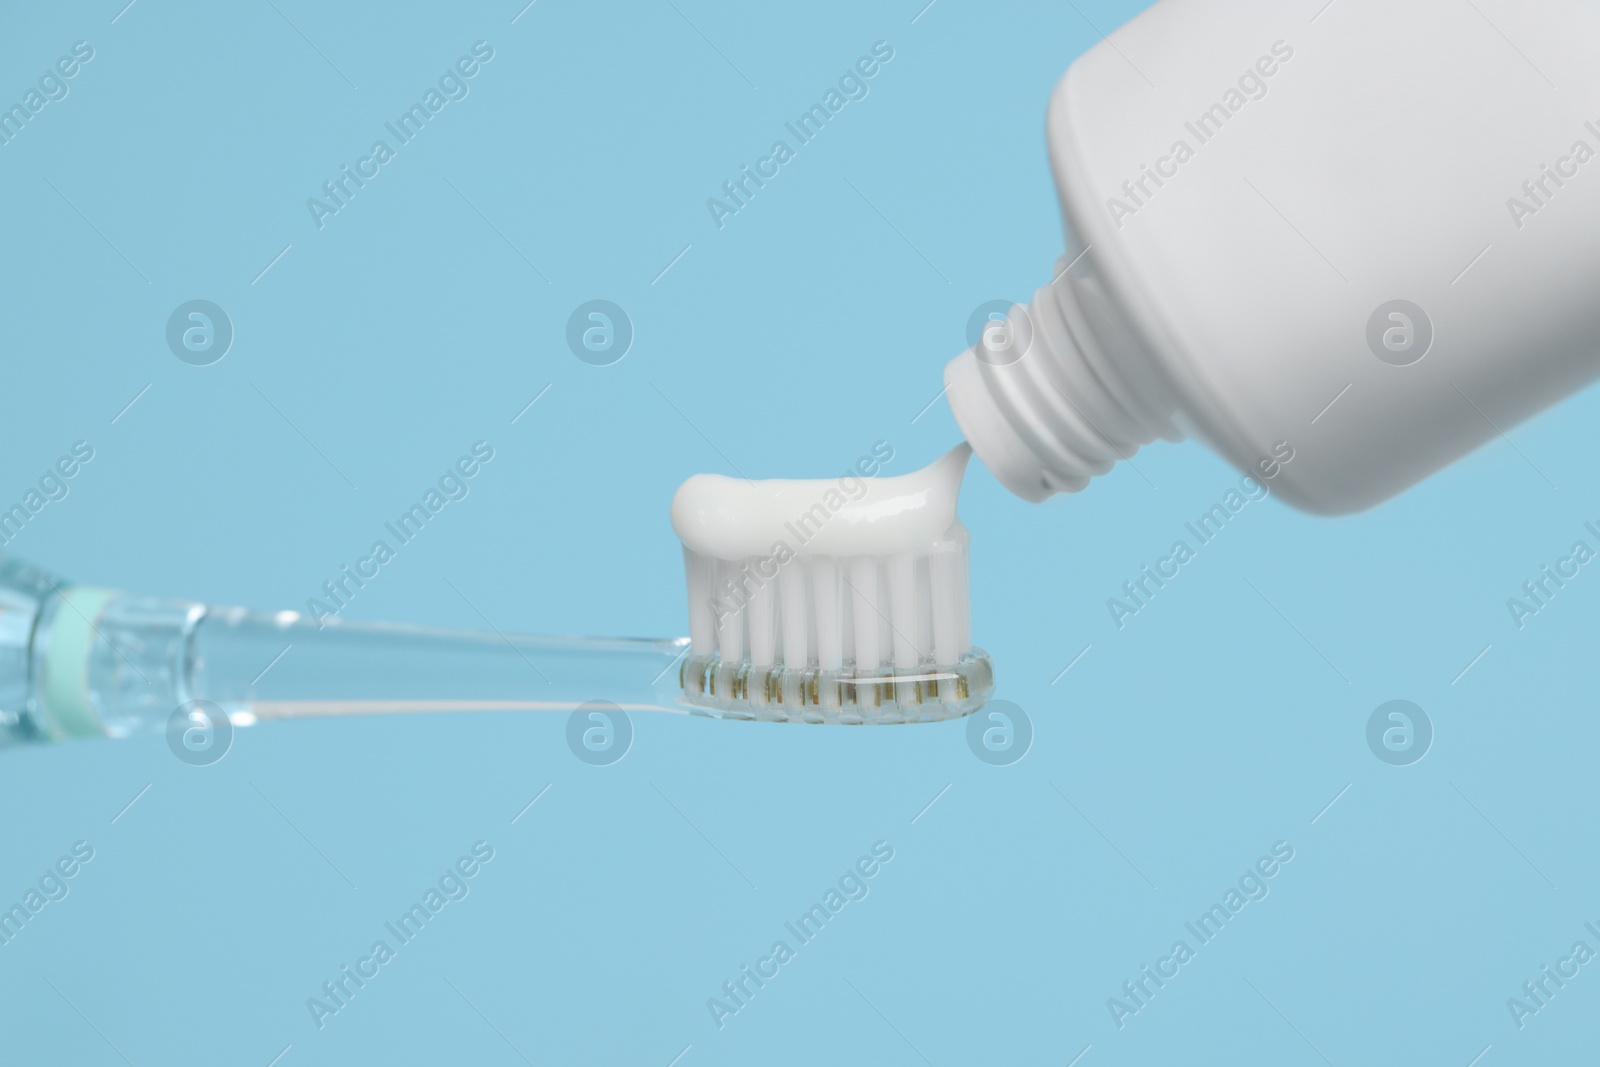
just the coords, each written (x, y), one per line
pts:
(830, 601)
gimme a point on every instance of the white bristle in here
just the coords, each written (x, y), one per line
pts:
(792, 605)
(903, 607)
(948, 578)
(702, 628)
(730, 624)
(826, 621)
(759, 618)
(866, 615)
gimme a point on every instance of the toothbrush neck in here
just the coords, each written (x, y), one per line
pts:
(80, 661)
(246, 665)
(1062, 390)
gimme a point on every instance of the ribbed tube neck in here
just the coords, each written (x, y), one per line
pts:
(1062, 392)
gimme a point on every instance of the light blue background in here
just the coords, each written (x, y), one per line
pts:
(1172, 754)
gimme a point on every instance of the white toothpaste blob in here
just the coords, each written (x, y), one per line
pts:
(731, 518)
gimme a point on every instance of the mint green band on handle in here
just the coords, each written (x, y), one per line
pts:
(63, 686)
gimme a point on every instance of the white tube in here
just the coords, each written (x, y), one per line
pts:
(1343, 250)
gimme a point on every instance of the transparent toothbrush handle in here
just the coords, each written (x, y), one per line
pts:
(102, 663)
(283, 666)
